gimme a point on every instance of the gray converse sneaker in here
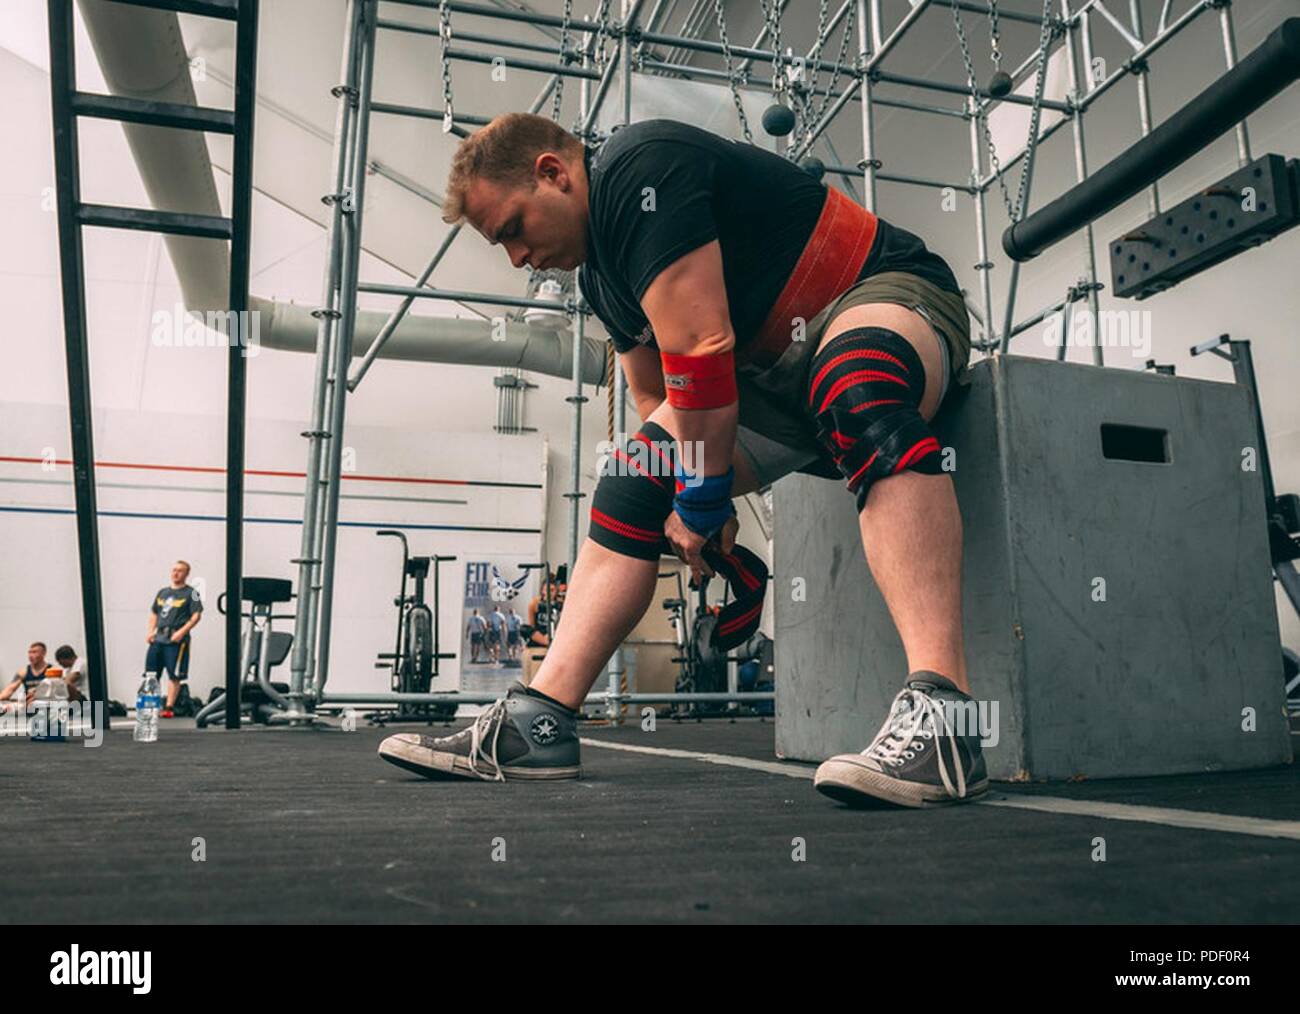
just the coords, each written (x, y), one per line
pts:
(917, 758)
(520, 736)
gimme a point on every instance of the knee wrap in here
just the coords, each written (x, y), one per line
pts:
(633, 500)
(865, 394)
(635, 495)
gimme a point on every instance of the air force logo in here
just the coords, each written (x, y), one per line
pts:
(503, 590)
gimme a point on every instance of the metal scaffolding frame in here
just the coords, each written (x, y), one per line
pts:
(1071, 28)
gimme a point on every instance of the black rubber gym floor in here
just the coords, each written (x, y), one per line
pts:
(309, 826)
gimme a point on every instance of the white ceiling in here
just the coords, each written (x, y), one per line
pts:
(299, 61)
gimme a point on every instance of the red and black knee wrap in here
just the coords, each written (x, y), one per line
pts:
(865, 394)
(633, 500)
(635, 495)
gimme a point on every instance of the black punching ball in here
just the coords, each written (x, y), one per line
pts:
(814, 167)
(778, 120)
(1000, 84)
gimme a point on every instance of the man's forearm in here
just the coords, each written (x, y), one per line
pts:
(739, 461)
(707, 437)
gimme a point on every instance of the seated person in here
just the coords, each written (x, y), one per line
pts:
(22, 687)
(74, 672)
(544, 613)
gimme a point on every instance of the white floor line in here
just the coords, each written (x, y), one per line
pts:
(771, 767)
(1198, 820)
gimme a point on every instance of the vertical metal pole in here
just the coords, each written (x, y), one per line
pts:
(985, 266)
(1144, 101)
(575, 448)
(625, 64)
(241, 225)
(1230, 58)
(575, 472)
(343, 343)
(302, 665)
(618, 663)
(1085, 40)
(67, 177)
(584, 88)
(1067, 322)
(868, 109)
(1080, 174)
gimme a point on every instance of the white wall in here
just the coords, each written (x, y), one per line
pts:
(160, 486)
(168, 405)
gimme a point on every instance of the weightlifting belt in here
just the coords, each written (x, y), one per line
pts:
(831, 261)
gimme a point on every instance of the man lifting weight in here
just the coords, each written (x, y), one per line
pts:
(772, 322)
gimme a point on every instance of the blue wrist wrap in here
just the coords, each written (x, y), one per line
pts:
(705, 505)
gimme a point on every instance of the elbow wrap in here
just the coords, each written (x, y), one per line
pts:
(697, 382)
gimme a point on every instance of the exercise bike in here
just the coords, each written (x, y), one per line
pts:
(414, 660)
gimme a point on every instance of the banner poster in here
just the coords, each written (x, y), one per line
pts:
(495, 604)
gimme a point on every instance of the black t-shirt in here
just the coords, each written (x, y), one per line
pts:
(174, 607)
(660, 189)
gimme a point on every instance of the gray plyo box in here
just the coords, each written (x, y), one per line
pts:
(1152, 680)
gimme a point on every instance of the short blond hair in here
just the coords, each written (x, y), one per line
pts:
(185, 564)
(503, 152)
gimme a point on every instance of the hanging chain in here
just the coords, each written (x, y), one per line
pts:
(602, 35)
(1044, 38)
(557, 95)
(1036, 111)
(731, 73)
(814, 116)
(805, 85)
(772, 18)
(444, 34)
(995, 35)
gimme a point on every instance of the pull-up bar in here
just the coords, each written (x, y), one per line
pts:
(1233, 97)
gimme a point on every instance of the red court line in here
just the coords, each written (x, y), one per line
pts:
(210, 470)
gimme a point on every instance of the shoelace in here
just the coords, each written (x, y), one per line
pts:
(916, 716)
(494, 714)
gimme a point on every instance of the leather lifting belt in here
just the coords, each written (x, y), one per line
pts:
(831, 261)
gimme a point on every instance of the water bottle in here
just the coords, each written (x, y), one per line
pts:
(51, 705)
(148, 702)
